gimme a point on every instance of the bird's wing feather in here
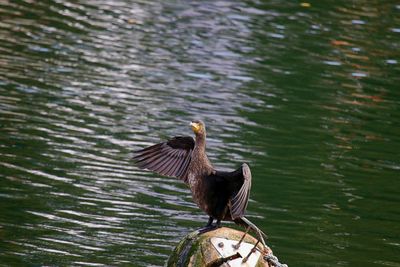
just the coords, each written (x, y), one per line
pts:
(170, 158)
(238, 202)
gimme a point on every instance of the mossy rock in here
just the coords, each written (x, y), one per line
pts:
(196, 250)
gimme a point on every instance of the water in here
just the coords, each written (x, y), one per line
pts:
(307, 93)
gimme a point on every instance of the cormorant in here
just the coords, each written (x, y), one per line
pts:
(222, 195)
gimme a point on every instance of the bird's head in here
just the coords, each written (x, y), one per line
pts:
(198, 127)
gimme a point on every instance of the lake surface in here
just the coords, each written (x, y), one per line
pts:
(307, 93)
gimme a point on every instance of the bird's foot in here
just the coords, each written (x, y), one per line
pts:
(209, 227)
(210, 221)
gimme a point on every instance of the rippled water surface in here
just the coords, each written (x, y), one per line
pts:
(307, 93)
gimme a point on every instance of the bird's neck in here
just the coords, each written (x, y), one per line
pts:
(200, 157)
(201, 142)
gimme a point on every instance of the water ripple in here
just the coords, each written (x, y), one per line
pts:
(302, 92)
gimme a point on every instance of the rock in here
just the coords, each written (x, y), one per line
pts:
(213, 248)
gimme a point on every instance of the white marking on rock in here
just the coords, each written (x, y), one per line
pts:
(225, 249)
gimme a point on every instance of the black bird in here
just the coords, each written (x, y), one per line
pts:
(222, 195)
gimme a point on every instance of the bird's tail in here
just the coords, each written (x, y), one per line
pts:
(243, 221)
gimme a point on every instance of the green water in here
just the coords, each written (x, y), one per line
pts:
(307, 94)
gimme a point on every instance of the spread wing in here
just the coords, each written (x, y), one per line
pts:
(169, 158)
(238, 202)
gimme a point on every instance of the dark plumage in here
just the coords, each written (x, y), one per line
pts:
(222, 195)
(170, 158)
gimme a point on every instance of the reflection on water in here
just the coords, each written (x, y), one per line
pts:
(304, 92)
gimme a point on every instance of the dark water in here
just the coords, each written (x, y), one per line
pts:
(308, 93)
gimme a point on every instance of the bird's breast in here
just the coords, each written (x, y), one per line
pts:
(196, 185)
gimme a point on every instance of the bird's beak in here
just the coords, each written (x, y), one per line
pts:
(195, 126)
